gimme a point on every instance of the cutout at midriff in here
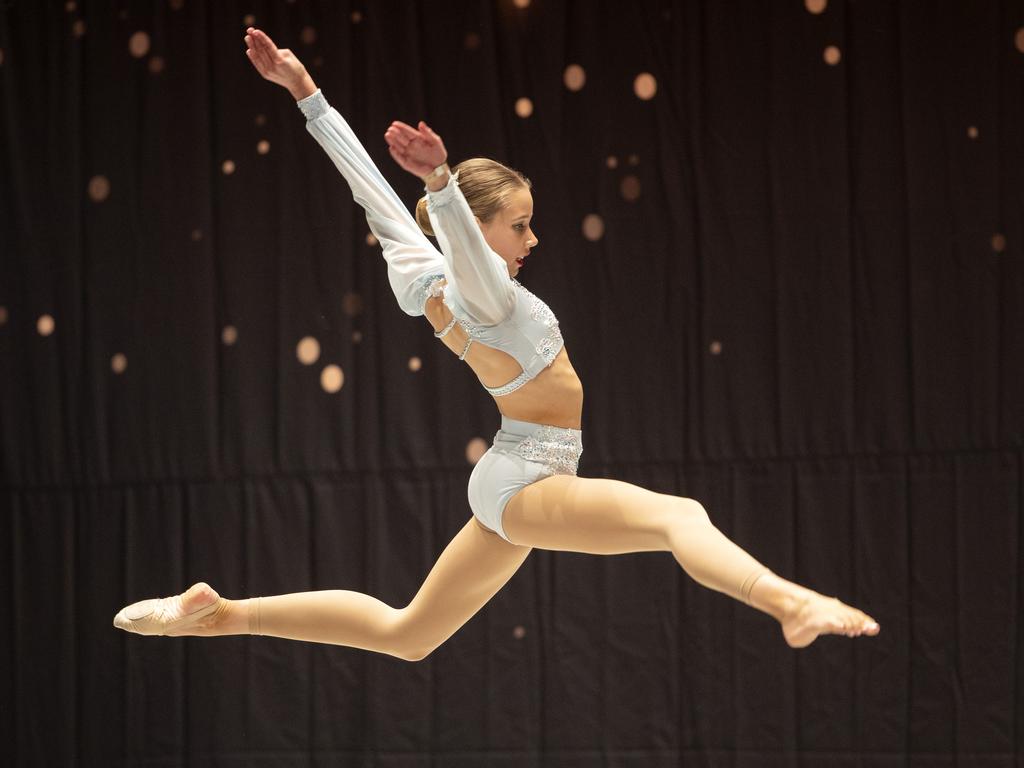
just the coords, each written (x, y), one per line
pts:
(492, 366)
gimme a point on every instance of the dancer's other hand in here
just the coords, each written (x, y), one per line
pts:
(418, 150)
(278, 65)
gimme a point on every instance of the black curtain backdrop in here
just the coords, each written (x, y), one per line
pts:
(804, 306)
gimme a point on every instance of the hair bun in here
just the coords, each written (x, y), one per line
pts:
(423, 218)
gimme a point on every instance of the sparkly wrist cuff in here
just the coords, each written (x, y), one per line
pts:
(314, 105)
(444, 195)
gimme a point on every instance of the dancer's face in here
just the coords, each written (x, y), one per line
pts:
(508, 232)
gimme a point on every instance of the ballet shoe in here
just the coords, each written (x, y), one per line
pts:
(151, 617)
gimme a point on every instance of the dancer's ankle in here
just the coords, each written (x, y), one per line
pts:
(777, 597)
(253, 619)
(230, 619)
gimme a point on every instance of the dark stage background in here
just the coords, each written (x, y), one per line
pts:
(802, 302)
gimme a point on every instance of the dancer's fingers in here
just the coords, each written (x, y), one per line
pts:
(265, 52)
(250, 51)
(395, 137)
(430, 135)
(256, 63)
(405, 130)
(258, 55)
(264, 39)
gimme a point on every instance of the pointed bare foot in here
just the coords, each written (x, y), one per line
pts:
(819, 615)
(194, 612)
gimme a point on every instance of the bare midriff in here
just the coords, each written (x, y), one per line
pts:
(554, 396)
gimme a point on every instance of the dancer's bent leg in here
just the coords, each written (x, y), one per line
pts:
(600, 516)
(472, 568)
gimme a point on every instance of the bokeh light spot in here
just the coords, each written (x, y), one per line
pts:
(972, 131)
(45, 325)
(715, 347)
(519, 632)
(156, 64)
(78, 28)
(70, 6)
(524, 107)
(228, 167)
(261, 119)
(229, 335)
(415, 364)
(308, 35)
(521, 3)
(177, 5)
(263, 147)
(332, 378)
(99, 188)
(816, 6)
(475, 449)
(119, 363)
(634, 160)
(371, 239)
(248, 20)
(575, 77)
(351, 304)
(1, 57)
(138, 44)
(308, 350)
(1018, 39)
(645, 86)
(998, 242)
(832, 55)
(357, 17)
(357, 336)
(3, 315)
(629, 188)
(593, 227)
(197, 235)
(472, 41)
(612, 162)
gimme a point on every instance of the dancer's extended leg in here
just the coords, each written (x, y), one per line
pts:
(606, 517)
(472, 568)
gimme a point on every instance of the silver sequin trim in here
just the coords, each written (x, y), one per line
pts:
(314, 105)
(426, 286)
(512, 386)
(551, 342)
(556, 448)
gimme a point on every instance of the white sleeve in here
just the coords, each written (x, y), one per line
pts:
(412, 261)
(479, 275)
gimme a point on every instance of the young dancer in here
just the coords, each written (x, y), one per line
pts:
(524, 492)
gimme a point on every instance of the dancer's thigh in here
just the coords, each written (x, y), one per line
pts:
(471, 569)
(593, 515)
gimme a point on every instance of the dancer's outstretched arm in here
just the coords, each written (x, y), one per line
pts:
(412, 260)
(477, 274)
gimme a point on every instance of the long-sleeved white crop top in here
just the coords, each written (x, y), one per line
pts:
(494, 309)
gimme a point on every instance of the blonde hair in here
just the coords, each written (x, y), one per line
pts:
(485, 183)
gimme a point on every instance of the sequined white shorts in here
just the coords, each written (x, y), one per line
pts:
(522, 453)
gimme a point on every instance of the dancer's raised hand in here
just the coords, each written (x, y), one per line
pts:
(278, 65)
(418, 150)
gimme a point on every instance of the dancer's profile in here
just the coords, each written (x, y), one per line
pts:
(524, 491)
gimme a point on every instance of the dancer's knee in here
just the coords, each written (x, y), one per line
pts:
(684, 515)
(692, 511)
(407, 639)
